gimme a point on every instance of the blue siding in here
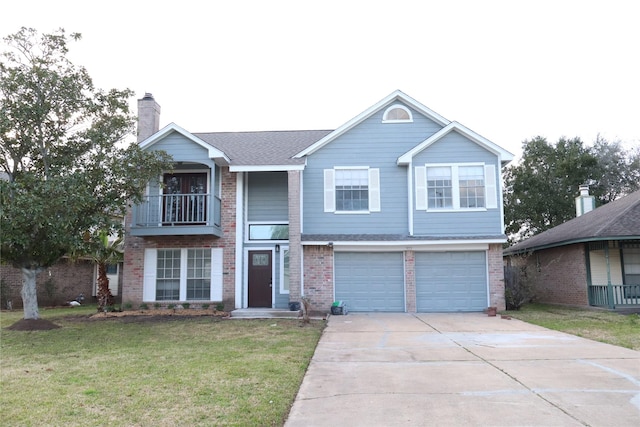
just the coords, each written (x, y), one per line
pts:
(377, 145)
(455, 148)
(267, 196)
(183, 149)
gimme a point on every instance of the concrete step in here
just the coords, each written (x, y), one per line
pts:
(264, 313)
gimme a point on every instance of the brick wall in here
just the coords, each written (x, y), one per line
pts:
(318, 277)
(560, 275)
(54, 286)
(496, 277)
(133, 268)
(410, 280)
(295, 248)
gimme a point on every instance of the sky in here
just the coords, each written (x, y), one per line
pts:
(508, 70)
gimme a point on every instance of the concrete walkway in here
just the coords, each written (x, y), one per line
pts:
(463, 370)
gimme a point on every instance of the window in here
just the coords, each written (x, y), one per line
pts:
(352, 190)
(168, 274)
(198, 274)
(193, 274)
(284, 272)
(456, 187)
(397, 114)
(471, 181)
(439, 187)
(268, 232)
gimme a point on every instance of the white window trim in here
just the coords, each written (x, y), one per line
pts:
(150, 271)
(373, 184)
(281, 260)
(393, 107)
(421, 188)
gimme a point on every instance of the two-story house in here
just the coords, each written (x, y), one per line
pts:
(399, 209)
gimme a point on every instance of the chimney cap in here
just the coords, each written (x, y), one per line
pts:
(148, 97)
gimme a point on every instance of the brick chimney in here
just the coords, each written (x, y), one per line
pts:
(584, 202)
(148, 117)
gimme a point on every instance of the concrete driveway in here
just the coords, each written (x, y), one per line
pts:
(379, 369)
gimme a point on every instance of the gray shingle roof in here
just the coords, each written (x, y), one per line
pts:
(263, 148)
(389, 237)
(619, 220)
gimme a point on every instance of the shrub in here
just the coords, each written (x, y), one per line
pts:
(518, 285)
(205, 306)
(144, 306)
(220, 306)
(186, 305)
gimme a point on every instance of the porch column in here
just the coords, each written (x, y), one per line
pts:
(295, 247)
(610, 300)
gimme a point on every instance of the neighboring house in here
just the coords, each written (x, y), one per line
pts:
(593, 259)
(399, 210)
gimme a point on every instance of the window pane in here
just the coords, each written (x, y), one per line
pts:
(268, 232)
(471, 181)
(285, 278)
(198, 274)
(439, 191)
(168, 275)
(352, 190)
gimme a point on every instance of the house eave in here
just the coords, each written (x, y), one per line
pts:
(520, 251)
(266, 168)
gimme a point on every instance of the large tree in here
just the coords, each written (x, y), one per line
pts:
(69, 172)
(540, 190)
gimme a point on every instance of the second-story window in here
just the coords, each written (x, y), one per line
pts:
(352, 190)
(448, 187)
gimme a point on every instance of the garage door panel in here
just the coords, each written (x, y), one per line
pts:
(370, 281)
(451, 281)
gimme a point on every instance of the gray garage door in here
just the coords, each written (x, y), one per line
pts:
(370, 281)
(451, 281)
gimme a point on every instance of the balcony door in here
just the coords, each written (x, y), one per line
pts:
(184, 199)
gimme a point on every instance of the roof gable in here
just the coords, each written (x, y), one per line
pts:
(396, 96)
(504, 156)
(213, 152)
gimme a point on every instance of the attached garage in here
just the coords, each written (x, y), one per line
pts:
(370, 281)
(451, 281)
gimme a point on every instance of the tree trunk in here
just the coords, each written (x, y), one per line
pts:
(29, 294)
(105, 298)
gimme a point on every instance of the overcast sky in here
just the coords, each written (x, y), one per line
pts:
(509, 70)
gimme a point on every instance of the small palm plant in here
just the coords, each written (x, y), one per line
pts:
(106, 252)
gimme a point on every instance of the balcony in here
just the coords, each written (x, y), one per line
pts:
(177, 215)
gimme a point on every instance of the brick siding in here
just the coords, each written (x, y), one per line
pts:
(318, 277)
(560, 275)
(54, 286)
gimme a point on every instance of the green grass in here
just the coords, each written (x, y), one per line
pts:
(598, 325)
(197, 371)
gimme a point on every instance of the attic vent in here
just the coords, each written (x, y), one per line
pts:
(397, 114)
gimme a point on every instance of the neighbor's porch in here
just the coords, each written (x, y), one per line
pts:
(614, 274)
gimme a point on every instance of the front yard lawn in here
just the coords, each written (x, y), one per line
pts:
(145, 371)
(599, 325)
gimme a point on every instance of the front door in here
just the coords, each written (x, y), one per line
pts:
(260, 280)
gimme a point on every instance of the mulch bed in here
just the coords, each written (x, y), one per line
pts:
(128, 316)
(33, 325)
